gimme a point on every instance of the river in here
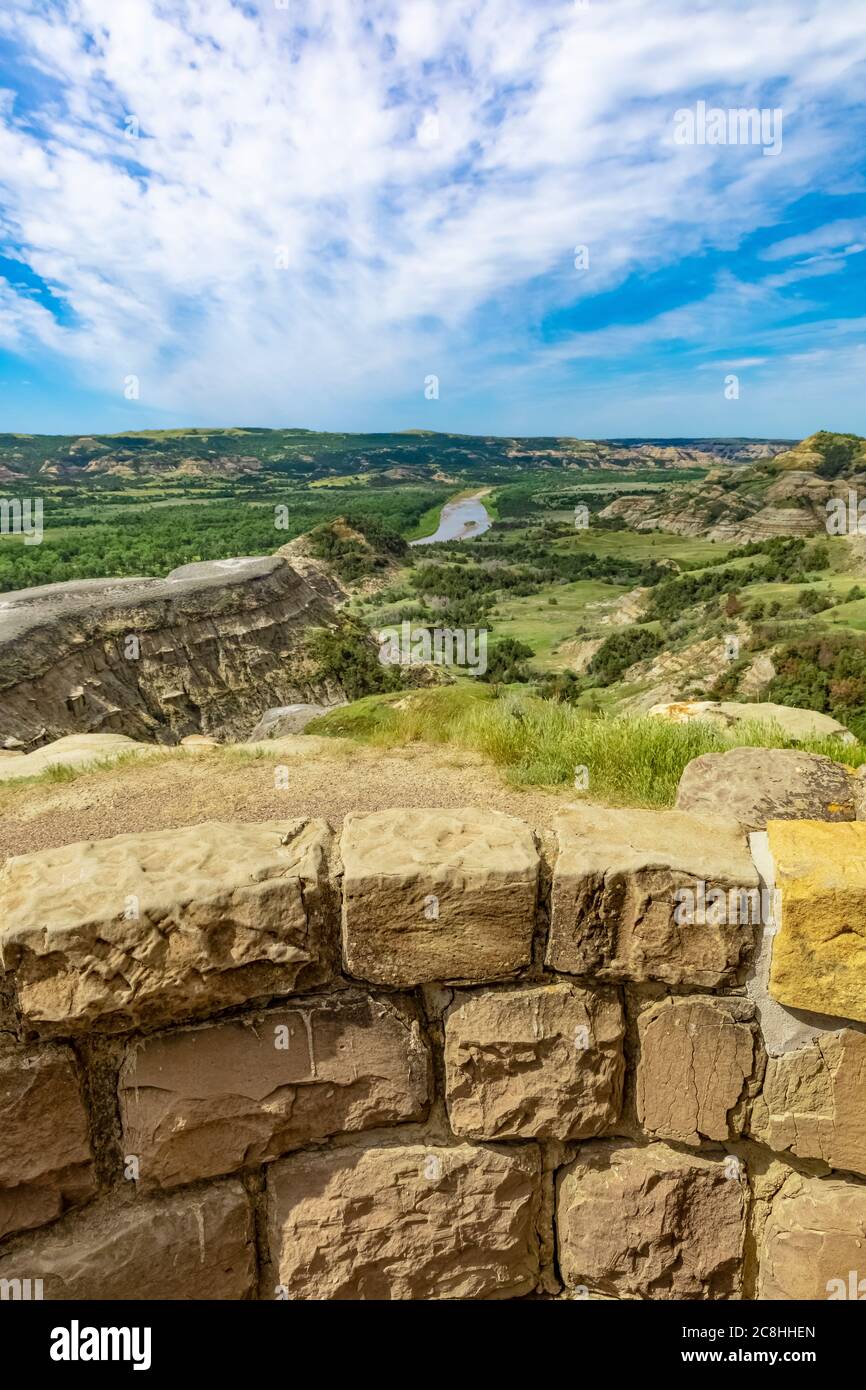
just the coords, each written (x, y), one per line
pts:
(461, 520)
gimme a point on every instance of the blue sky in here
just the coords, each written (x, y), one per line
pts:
(297, 214)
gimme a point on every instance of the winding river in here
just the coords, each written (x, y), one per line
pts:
(461, 520)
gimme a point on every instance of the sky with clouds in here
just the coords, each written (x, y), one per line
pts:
(296, 212)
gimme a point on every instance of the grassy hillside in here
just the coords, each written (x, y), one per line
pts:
(827, 454)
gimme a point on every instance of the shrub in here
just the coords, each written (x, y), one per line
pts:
(825, 673)
(348, 657)
(621, 650)
(506, 662)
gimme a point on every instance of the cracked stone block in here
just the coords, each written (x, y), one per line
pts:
(46, 1164)
(437, 896)
(650, 1223)
(534, 1062)
(406, 1222)
(212, 1099)
(813, 1102)
(697, 1068)
(813, 1242)
(819, 950)
(162, 925)
(189, 1245)
(652, 895)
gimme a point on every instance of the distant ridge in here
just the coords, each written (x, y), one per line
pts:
(308, 454)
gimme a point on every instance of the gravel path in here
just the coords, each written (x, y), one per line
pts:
(326, 778)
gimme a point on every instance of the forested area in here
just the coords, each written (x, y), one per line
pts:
(148, 539)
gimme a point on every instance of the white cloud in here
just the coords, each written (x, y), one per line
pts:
(843, 236)
(295, 131)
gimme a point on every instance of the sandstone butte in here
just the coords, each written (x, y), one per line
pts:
(438, 1056)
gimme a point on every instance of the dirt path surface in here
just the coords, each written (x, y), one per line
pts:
(326, 778)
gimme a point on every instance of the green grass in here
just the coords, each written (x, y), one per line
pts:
(59, 772)
(849, 615)
(542, 625)
(834, 587)
(648, 545)
(344, 480)
(631, 761)
(491, 502)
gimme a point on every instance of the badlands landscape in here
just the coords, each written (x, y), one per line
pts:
(332, 976)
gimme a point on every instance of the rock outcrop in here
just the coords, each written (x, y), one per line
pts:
(202, 651)
(784, 496)
(795, 724)
(754, 785)
(75, 750)
(285, 720)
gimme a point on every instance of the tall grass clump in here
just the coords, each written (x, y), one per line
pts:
(635, 761)
(631, 760)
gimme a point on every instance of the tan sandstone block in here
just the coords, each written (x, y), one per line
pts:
(615, 897)
(650, 1223)
(190, 1245)
(819, 950)
(213, 1099)
(538, 1062)
(156, 926)
(46, 1163)
(814, 1241)
(813, 1102)
(698, 1060)
(405, 1223)
(437, 895)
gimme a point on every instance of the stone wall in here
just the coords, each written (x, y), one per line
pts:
(440, 1057)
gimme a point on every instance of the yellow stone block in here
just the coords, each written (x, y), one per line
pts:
(819, 951)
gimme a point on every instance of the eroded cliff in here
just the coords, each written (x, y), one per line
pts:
(204, 650)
